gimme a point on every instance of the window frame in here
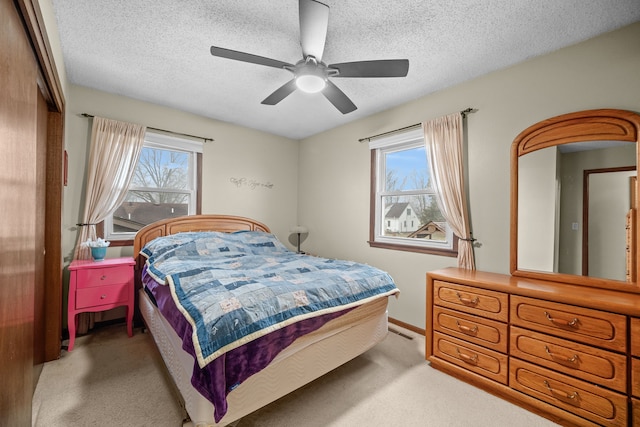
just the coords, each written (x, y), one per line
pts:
(397, 142)
(173, 143)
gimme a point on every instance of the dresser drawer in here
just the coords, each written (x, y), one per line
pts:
(635, 377)
(635, 403)
(97, 296)
(588, 363)
(589, 401)
(485, 332)
(589, 326)
(480, 360)
(490, 304)
(104, 276)
(635, 336)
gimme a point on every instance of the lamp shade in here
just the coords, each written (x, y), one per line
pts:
(300, 229)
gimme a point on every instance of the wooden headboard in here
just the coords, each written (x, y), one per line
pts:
(166, 227)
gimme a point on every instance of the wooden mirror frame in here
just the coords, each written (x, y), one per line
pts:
(581, 126)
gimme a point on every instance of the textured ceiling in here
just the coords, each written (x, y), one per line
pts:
(158, 50)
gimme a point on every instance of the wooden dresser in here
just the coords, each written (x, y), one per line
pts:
(567, 352)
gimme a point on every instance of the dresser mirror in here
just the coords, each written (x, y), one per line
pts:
(574, 200)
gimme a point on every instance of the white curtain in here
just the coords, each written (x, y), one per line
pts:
(444, 145)
(115, 150)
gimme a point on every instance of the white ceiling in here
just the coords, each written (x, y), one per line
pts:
(158, 50)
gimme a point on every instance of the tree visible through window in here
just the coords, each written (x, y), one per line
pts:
(164, 185)
(405, 213)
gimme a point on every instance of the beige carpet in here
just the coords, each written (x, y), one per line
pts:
(112, 380)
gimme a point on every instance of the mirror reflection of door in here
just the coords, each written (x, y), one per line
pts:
(606, 206)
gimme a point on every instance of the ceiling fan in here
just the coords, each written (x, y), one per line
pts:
(310, 73)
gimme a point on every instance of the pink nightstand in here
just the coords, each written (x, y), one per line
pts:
(98, 286)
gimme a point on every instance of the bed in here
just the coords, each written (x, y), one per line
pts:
(272, 358)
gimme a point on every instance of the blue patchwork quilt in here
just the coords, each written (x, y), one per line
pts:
(236, 287)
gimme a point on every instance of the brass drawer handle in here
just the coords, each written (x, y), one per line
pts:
(572, 323)
(466, 300)
(571, 396)
(573, 359)
(466, 329)
(473, 360)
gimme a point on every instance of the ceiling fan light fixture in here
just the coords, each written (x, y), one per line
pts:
(311, 75)
(310, 83)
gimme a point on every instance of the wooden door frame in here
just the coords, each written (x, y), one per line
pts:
(49, 84)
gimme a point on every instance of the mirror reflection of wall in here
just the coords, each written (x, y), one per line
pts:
(537, 191)
(550, 210)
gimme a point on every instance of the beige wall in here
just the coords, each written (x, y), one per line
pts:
(334, 180)
(49, 18)
(237, 152)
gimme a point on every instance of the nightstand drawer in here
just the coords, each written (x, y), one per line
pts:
(636, 412)
(485, 332)
(104, 276)
(588, 363)
(594, 403)
(589, 326)
(97, 296)
(482, 302)
(480, 360)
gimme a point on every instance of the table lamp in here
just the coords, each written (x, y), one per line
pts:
(299, 229)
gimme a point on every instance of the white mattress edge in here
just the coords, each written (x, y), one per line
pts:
(308, 358)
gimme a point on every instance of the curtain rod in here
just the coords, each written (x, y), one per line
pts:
(164, 130)
(463, 112)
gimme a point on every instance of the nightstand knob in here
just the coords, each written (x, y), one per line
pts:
(103, 277)
(103, 296)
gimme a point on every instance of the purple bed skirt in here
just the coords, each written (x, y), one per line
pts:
(216, 380)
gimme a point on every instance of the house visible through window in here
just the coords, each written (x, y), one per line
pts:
(405, 213)
(164, 185)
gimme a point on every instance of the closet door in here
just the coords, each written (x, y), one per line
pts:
(39, 294)
(18, 128)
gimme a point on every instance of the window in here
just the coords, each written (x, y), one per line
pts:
(165, 185)
(401, 194)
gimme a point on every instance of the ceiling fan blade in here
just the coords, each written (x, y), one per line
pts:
(379, 68)
(338, 98)
(247, 57)
(314, 19)
(281, 93)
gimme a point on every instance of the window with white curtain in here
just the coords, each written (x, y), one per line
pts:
(404, 210)
(164, 185)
